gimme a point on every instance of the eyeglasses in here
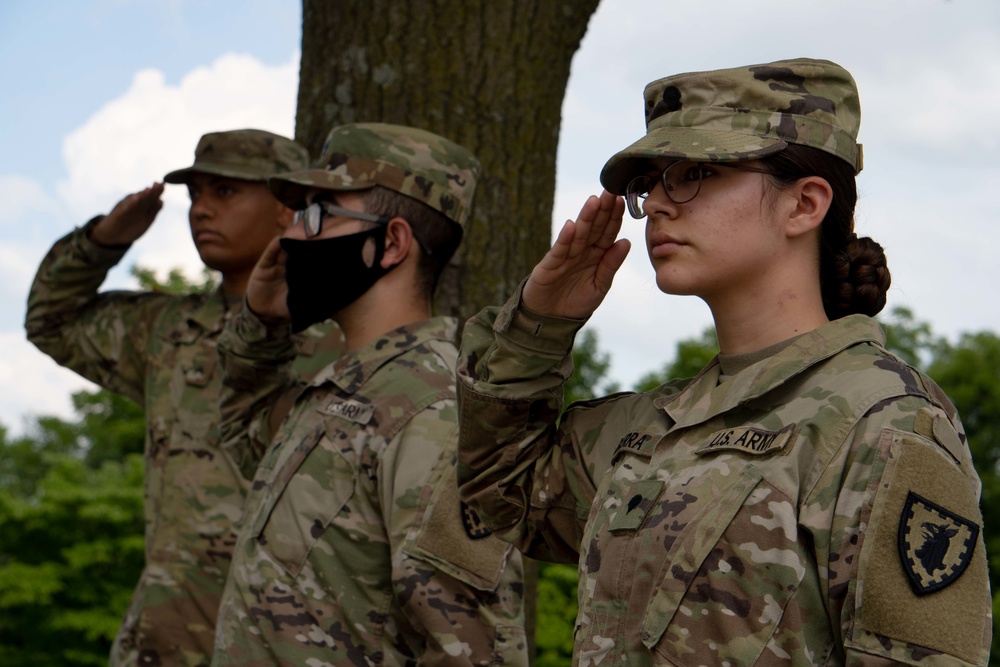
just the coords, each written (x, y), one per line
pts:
(312, 216)
(681, 182)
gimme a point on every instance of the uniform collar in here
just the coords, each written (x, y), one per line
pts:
(212, 314)
(704, 398)
(352, 370)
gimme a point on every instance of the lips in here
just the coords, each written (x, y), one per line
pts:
(661, 245)
(206, 236)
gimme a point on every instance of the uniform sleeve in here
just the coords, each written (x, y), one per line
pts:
(102, 336)
(907, 565)
(521, 467)
(257, 380)
(458, 586)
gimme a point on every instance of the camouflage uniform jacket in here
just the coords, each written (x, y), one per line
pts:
(816, 508)
(158, 350)
(353, 549)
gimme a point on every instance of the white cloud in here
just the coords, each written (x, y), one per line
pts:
(131, 141)
(32, 385)
(153, 128)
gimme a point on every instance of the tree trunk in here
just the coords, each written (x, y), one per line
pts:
(489, 75)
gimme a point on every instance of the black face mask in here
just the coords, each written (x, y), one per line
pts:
(325, 276)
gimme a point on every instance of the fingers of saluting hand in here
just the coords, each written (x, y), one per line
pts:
(599, 221)
(593, 233)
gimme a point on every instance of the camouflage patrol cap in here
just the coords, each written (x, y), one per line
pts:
(413, 162)
(250, 155)
(744, 113)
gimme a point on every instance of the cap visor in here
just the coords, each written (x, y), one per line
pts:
(684, 143)
(291, 188)
(184, 175)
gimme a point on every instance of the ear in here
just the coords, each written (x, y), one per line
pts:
(398, 242)
(809, 200)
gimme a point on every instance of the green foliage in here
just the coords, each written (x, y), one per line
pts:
(556, 610)
(71, 532)
(590, 368)
(72, 523)
(70, 555)
(911, 339)
(110, 426)
(176, 282)
(692, 355)
(968, 372)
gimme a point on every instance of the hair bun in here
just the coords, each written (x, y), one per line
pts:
(861, 279)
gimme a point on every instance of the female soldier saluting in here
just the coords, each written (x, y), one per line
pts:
(807, 498)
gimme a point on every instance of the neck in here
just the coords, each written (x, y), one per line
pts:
(234, 284)
(759, 316)
(391, 303)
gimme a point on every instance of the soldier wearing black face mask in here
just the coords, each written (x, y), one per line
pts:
(353, 535)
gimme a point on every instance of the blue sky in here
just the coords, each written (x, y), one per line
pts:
(101, 97)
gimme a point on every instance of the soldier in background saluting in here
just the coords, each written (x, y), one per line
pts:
(354, 548)
(158, 349)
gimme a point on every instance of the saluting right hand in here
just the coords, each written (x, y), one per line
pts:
(576, 273)
(130, 218)
(267, 291)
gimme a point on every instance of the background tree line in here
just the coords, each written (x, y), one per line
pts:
(71, 518)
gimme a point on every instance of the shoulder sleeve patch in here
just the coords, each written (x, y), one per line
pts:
(451, 537)
(935, 544)
(922, 573)
(474, 526)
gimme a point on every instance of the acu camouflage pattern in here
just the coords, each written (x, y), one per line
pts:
(413, 162)
(748, 522)
(352, 550)
(158, 350)
(744, 113)
(250, 155)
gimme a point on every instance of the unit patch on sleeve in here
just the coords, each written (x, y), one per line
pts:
(747, 439)
(474, 526)
(935, 545)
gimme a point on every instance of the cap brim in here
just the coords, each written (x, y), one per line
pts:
(291, 188)
(684, 143)
(184, 175)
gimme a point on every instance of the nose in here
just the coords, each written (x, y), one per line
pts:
(200, 209)
(658, 203)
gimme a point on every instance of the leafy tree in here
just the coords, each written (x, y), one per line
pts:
(72, 523)
(911, 339)
(176, 282)
(590, 368)
(968, 371)
(70, 554)
(692, 355)
(557, 607)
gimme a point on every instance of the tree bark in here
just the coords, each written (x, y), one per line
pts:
(488, 74)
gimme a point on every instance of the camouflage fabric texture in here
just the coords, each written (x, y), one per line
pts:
(250, 155)
(744, 113)
(818, 507)
(354, 548)
(158, 350)
(419, 164)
